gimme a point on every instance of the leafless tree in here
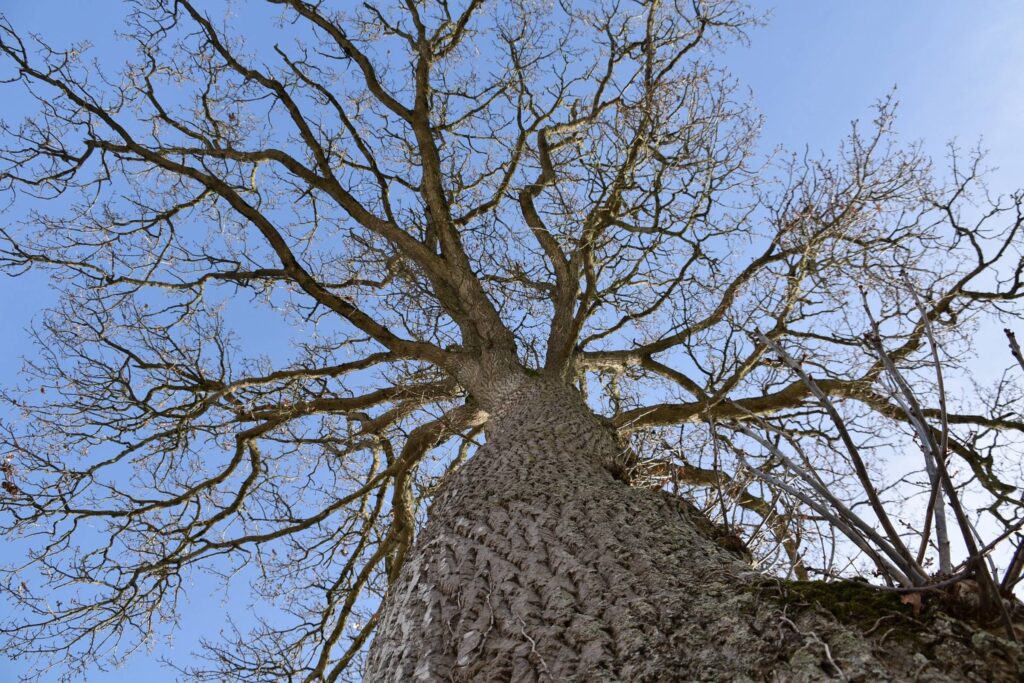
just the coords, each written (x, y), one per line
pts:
(425, 320)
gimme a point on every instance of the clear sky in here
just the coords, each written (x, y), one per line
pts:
(958, 68)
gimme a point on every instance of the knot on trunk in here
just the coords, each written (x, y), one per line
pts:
(493, 378)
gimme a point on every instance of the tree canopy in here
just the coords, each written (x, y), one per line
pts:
(288, 270)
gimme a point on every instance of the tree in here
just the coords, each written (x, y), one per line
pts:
(535, 281)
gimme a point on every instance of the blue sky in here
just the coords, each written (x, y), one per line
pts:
(958, 68)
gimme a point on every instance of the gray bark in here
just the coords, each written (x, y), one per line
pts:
(539, 564)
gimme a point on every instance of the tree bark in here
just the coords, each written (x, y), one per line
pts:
(538, 563)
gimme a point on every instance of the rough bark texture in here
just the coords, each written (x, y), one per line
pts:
(538, 564)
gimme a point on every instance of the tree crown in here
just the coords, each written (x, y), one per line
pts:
(436, 200)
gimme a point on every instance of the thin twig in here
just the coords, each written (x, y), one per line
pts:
(851, 447)
(945, 564)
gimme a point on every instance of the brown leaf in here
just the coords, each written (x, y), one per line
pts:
(914, 600)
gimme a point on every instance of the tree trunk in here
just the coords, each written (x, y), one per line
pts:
(538, 564)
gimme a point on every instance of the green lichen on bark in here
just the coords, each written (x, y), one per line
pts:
(850, 601)
(932, 645)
